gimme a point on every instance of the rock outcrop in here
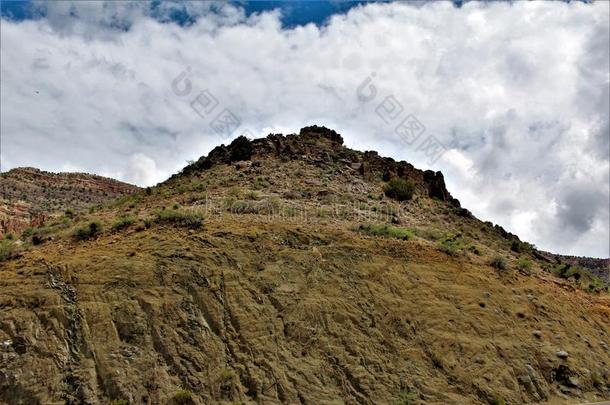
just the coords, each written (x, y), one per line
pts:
(324, 146)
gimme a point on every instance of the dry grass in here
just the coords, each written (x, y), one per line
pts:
(341, 302)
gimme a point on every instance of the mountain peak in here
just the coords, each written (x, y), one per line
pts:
(323, 146)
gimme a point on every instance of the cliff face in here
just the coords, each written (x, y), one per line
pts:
(29, 196)
(277, 271)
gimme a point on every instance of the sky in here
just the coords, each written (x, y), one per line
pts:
(514, 97)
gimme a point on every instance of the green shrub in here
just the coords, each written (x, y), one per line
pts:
(182, 397)
(429, 234)
(130, 200)
(524, 264)
(399, 189)
(70, 213)
(9, 236)
(498, 262)
(27, 233)
(235, 192)
(252, 195)
(452, 247)
(386, 231)
(406, 398)
(239, 207)
(597, 379)
(123, 222)
(180, 217)
(196, 197)
(498, 401)
(260, 183)
(449, 247)
(226, 374)
(290, 211)
(6, 249)
(88, 231)
(119, 402)
(521, 247)
(228, 202)
(474, 249)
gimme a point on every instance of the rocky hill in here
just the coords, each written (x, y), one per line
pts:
(294, 270)
(28, 196)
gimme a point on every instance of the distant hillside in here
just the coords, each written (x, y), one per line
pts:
(28, 196)
(599, 267)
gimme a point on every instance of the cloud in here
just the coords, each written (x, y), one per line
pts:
(143, 170)
(517, 92)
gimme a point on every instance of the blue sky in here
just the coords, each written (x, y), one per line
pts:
(293, 12)
(89, 86)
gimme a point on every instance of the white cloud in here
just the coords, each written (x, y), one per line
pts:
(519, 91)
(143, 170)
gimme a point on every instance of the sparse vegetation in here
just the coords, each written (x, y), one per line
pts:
(180, 217)
(399, 189)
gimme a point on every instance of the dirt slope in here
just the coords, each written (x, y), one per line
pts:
(302, 284)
